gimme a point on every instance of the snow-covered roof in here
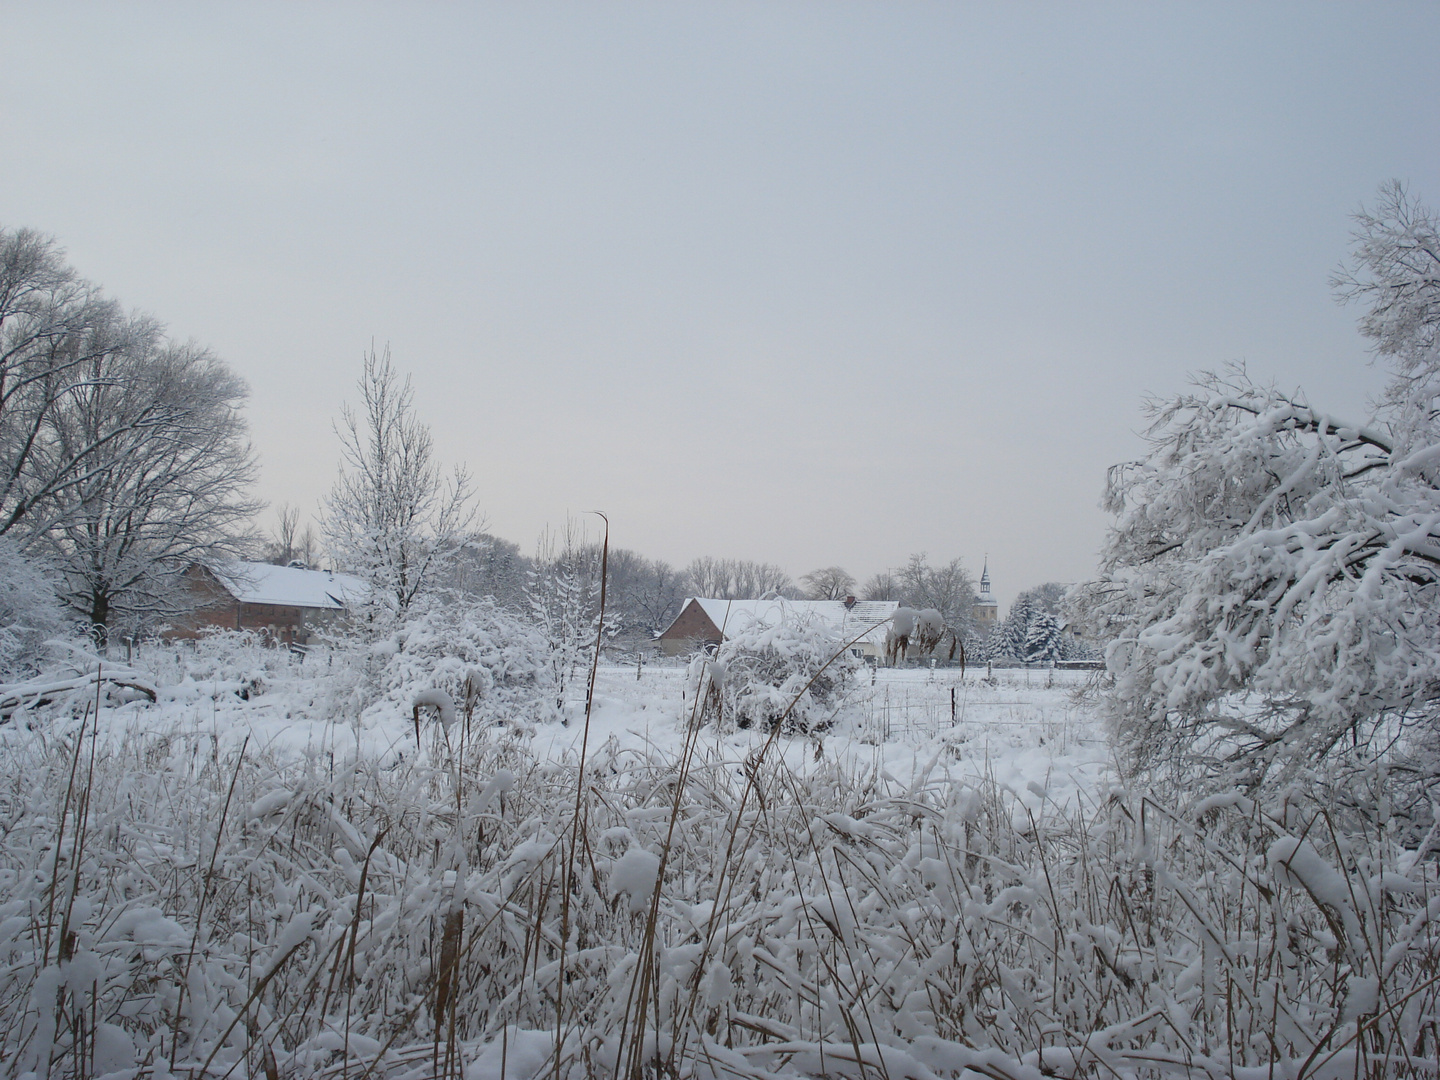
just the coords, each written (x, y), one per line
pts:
(291, 586)
(846, 623)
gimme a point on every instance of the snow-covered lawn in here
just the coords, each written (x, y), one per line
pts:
(915, 893)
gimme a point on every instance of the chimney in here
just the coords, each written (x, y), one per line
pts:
(849, 602)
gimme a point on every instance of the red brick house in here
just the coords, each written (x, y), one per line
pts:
(284, 603)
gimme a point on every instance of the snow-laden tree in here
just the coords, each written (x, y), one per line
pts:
(392, 519)
(563, 592)
(1036, 627)
(166, 483)
(123, 456)
(1270, 583)
(1044, 639)
(1009, 637)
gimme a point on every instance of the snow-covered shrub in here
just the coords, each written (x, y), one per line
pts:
(494, 667)
(563, 593)
(238, 662)
(793, 669)
(29, 610)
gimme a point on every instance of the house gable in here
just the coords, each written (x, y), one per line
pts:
(692, 627)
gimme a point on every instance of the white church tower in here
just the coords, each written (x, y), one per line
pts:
(986, 609)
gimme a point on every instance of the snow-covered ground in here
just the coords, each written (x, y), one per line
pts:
(1024, 729)
(1028, 730)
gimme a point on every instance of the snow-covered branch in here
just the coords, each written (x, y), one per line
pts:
(1271, 581)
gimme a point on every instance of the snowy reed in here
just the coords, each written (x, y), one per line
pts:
(170, 906)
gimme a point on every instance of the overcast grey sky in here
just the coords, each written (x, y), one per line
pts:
(804, 283)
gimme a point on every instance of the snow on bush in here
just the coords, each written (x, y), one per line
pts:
(239, 662)
(490, 664)
(903, 621)
(198, 912)
(792, 671)
(29, 611)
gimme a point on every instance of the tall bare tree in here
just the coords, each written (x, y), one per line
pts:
(392, 518)
(644, 594)
(288, 542)
(881, 586)
(122, 456)
(282, 545)
(948, 588)
(737, 579)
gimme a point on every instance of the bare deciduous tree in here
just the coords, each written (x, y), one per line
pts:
(644, 594)
(881, 586)
(658, 596)
(828, 583)
(122, 456)
(948, 589)
(281, 549)
(165, 480)
(489, 566)
(52, 325)
(391, 518)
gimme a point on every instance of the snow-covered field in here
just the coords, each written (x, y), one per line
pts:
(1024, 729)
(1028, 730)
(262, 874)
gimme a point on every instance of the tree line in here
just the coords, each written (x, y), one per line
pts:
(124, 457)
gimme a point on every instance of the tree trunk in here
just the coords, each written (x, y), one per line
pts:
(99, 616)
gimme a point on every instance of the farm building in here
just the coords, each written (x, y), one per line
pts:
(285, 603)
(702, 621)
